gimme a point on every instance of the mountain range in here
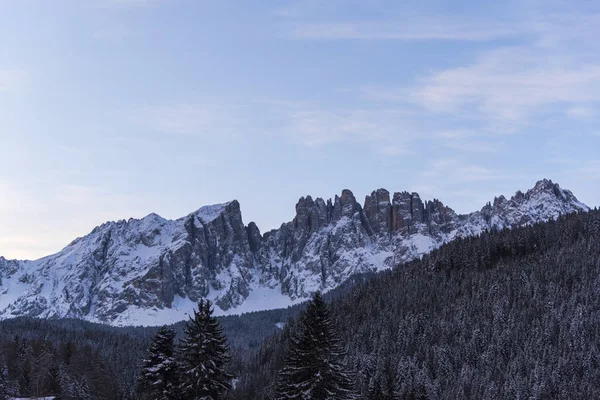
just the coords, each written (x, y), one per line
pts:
(152, 271)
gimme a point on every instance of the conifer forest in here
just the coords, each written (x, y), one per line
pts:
(507, 314)
(299, 200)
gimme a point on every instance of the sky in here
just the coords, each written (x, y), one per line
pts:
(111, 109)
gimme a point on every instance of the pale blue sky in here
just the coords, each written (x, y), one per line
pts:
(113, 109)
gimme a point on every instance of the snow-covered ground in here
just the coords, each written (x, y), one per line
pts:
(259, 299)
(32, 398)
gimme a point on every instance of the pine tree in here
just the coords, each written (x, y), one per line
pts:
(3, 388)
(73, 387)
(203, 356)
(390, 384)
(24, 355)
(313, 365)
(376, 391)
(159, 371)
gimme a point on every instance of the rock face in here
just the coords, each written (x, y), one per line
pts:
(153, 270)
(378, 211)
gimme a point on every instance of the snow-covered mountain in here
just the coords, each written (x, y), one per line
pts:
(153, 270)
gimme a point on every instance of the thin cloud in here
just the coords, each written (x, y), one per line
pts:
(508, 83)
(67, 211)
(386, 131)
(420, 29)
(112, 34)
(9, 79)
(581, 112)
(583, 177)
(183, 119)
(393, 150)
(467, 186)
(468, 141)
(316, 127)
(507, 86)
(456, 171)
(130, 3)
(472, 145)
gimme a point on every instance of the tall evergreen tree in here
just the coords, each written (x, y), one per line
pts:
(390, 384)
(313, 366)
(376, 391)
(159, 371)
(382, 388)
(73, 387)
(203, 357)
(24, 355)
(3, 385)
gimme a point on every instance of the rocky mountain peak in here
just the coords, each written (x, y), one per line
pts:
(551, 189)
(347, 195)
(345, 206)
(254, 237)
(378, 211)
(209, 213)
(499, 201)
(545, 185)
(153, 270)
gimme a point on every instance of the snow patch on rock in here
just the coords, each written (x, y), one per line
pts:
(153, 271)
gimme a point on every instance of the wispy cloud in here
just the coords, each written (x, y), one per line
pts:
(181, 119)
(456, 171)
(466, 185)
(9, 79)
(591, 170)
(404, 29)
(110, 34)
(581, 112)
(508, 83)
(315, 127)
(304, 123)
(384, 131)
(583, 177)
(65, 212)
(555, 67)
(130, 3)
(458, 194)
(468, 141)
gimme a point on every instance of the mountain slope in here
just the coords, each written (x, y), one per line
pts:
(510, 314)
(153, 271)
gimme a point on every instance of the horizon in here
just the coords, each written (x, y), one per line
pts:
(114, 109)
(262, 231)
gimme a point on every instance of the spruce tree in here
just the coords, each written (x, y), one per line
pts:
(376, 391)
(73, 387)
(390, 383)
(383, 388)
(159, 371)
(3, 388)
(24, 355)
(203, 356)
(313, 366)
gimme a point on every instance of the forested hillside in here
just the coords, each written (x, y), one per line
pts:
(509, 314)
(81, 360)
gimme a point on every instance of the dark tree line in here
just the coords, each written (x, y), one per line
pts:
(507, 314)
(106, 361)
(69, 358)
